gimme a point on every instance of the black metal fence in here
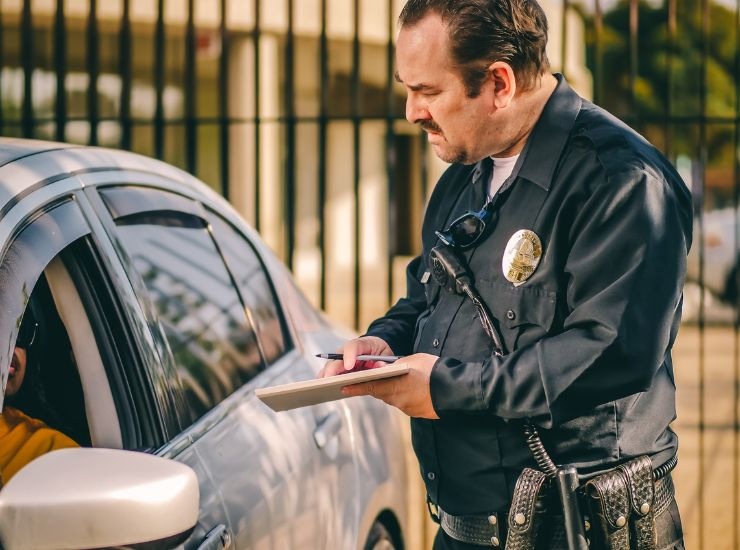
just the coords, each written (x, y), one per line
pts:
(289, 108)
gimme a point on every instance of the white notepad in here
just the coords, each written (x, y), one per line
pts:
(320, 390)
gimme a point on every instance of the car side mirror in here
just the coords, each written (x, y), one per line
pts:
(95, 498)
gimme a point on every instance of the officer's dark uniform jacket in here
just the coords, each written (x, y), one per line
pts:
(588, 335)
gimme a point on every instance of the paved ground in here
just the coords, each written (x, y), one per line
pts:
(707, 476)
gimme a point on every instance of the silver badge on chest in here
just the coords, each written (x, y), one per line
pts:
(521, 256)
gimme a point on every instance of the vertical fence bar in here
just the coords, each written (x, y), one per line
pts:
(736, 359)
(390, 145)
(702, 175)
(598, 53)
(699, 241)
(633, 26)
(290, 141)
(323, 102)
(191, 93)
(223, 95)
(60, 68)
(563, 37)
(125, 73)
(256, 37)
(27, 54)
(356, 114)
(159, 68)
(93, 71)
(670, 53)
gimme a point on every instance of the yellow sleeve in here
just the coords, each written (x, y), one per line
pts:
(26, 440)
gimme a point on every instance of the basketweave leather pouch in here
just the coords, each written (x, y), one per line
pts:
(611, 507)
(528, 508)
(641, 489)
(624, 501)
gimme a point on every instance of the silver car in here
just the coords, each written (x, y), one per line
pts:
(160, 312)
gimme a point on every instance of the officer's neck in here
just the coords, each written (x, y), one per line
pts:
(525, 111)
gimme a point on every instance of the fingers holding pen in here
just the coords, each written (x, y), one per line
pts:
(365, 345)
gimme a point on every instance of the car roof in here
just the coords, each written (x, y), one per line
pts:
(28, 164)
(12, 149)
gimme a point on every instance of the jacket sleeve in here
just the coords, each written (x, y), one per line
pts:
(622, 278)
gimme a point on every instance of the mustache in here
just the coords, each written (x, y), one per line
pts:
(430, 126)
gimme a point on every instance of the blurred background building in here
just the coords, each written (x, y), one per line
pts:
(289, 108)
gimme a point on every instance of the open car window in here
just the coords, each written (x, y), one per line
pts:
(104, 413)
(61, 380)
(49, 387)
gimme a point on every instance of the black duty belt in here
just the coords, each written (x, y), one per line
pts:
(481, 530)
(487, 530)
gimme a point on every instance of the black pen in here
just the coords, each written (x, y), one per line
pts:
(339, 356)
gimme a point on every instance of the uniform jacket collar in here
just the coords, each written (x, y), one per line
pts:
(542, 152)
(550, 134)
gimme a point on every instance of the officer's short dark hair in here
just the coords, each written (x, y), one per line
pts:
(484, 31)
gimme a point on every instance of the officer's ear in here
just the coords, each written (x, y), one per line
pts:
(503, 81)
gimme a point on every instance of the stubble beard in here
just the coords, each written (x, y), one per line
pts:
(451, 156)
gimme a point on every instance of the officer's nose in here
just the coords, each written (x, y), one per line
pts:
(415, 110)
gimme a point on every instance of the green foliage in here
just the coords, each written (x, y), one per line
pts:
(671, 66)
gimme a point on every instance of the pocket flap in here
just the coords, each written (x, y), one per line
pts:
(517, 306)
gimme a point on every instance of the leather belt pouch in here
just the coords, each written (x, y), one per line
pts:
(611, 507)
(528, 507)
(641, 489)
(624, 502)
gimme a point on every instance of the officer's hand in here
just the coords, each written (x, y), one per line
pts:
(365, 345)
(409, 392)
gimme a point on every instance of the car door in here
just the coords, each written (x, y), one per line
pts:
(97, 350)
(261, 465)
(335, 470)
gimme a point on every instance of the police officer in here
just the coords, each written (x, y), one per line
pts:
(575, 231)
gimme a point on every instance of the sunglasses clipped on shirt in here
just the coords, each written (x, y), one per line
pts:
(466, 230)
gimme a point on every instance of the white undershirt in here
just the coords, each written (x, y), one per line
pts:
(502, 168)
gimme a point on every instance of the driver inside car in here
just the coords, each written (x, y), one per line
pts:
(22, 438)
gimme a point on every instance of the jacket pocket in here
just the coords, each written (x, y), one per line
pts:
(523, 314)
